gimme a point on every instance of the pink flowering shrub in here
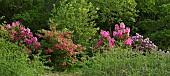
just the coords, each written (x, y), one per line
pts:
(59, 47)
(16, 32)
(120, 34)
(121, 37)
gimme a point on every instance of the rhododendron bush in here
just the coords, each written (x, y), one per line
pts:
(60, 48)
(121, 37)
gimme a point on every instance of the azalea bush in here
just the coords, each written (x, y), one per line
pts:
(16, 32)
(59, 48)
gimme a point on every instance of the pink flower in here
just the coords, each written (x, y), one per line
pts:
(99, 42)
(108, 38)
(13, 24)
(8, 26)
(49, 50)
(28, 41)
(50, 34)
(128, 41)
(30, 34)
(122, 25)
(22, 32)
(39, 35)
(75, 53)
(111, 43)
(104, 33)
(127, 29)
(28, 30)
(17, 23)
(38, 44)
(23, 28)
(120, 32)
(115, 33)
(116, 27)
(34, 39)
(64, 63)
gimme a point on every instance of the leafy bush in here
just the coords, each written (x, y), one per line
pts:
(161, 38)
(77, 16)
(122, 62)
(115, 11)
(14, 61)
(155, 30)
(60, 48)
(153, 17)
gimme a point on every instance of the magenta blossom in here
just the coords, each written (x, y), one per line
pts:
(116, 27)
(115, 33)
(17, 23)
(111, 43)
(109, 38)
(30, 34)
(122, 25)
(34, 39)
(104, 33)
(28, 41)
(8, 26)
(128, 41)
(120, 32)
(13, 24)
(127, 29)
(23, 28)
(99, 42)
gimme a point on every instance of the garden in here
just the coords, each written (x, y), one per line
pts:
(84, 37)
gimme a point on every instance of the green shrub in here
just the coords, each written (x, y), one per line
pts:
(124, 62)
(161, 38)
(33, 13)
(156, 30)
(115, 11)
(14, 61)
(77, 16)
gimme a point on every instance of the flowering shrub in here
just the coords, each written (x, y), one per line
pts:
(60, 47)
(18, 33)
(142, 44)
(121, 34)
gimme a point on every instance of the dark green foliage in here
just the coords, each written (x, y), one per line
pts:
(77, 16)
(32, 13)
(14, 61)
(115, 11)
(153, 20)
(161, 38)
